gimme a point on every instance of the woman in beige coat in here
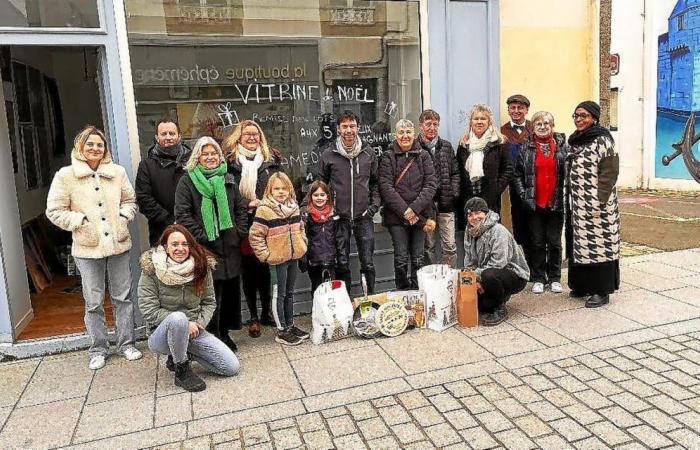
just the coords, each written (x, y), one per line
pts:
(93, 199)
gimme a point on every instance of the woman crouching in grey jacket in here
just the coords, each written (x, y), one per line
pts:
(176, 297)
(491, 251)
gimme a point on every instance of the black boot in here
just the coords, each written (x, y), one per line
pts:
(226, 339)
(170, 364)
(597, 301)
(186, 379)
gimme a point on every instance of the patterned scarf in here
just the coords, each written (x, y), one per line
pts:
(286, 209)
(349, 152)
(250, 163)
(210, 183)
(320, 215)
(170, 272)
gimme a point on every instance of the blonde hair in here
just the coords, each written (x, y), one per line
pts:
(483, 109)
(197, 151)
(231, 142)
(280, 176)
(546, 115)
(82, 137)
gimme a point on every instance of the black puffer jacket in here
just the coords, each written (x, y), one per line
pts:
(354, 182)
(416, 189)
(524, 181)
(498, 171)
(447, 172)
(321, 249)
(156, 179)
(265, 171)
(188, 213)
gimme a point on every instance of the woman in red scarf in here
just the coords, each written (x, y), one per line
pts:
(320, 258)
(539, 181)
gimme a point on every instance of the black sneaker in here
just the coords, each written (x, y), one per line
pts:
(497, 317)
(301, 334)
(186, 379)
(286, 337)
(596, 301)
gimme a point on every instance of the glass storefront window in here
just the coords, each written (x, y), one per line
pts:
(49, 13)
(288, 65)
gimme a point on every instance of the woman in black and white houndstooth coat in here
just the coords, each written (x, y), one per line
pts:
(593, 216)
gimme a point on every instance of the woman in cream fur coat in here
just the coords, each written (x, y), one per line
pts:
(93, 199)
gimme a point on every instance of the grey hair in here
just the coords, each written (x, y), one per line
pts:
(546, 115)
(404, 123)
(197, 151)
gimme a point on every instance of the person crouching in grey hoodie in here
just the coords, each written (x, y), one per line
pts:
(491, 251)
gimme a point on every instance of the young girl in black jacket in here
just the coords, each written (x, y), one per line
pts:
(321, 221)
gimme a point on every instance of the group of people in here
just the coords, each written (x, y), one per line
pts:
(224, 215)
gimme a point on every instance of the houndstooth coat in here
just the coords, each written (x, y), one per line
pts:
(592, 199)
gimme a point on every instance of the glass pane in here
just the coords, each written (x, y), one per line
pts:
(49, 13)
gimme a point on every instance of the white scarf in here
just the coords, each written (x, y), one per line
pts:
(249, 172)
(170, 272)
(475, 162)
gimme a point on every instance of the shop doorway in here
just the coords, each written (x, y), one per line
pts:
(50, 94)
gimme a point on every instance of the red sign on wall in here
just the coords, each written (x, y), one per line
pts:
(614, 64)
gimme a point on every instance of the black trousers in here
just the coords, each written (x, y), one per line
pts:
(316, 275)
(409, 243)
(227, 315)
(545, 236)
(256, 281)
(499, 285)
(363, 229)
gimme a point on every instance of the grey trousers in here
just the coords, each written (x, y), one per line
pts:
(118, 271)
(446, 227)
(172, 337)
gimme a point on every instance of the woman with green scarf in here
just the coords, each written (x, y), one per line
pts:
(209, 205)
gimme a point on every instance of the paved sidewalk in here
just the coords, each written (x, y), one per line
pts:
(556, 375)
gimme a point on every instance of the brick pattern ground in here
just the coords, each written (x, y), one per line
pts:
(634, 397)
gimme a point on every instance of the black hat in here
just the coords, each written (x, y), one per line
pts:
(592, 107)
(476, 204)
(517, 98)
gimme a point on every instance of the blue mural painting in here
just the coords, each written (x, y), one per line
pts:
(678, 92)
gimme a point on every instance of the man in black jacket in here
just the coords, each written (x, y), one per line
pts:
(447, 174)
(349, 166)
(157, 177)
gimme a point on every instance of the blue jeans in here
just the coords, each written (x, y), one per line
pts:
(172, 337)
(409, 243)
(363, 229)
(283, 277)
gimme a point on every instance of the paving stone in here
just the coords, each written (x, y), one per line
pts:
(570, 430)
(407, 433)
(445, 402)
(524, 371)
(384, 443)
(442, 435)
(655, 364)
(620, 417)
(545, 411)
(226, 436)
(515, 440)
(458, 446)
(571, 384)
(385, 401)
(673, 344)
(609, 433)
(255, 434)
(318, 440)
(265, 446)
(394, 415)
(568, 362)
(638, 388)
(421, 445)
(674, 391)
(373, 428)
(632, 353)
(341, 425)
(630, 402)
(614, 374)
(686, 366)
(350, 442)
(115, 417)
(230, 445)
(539, 382)
(413, 399)
(310, 422)
(506, 379)
(663, 355)
(644, 346)
(592, 399)
(478, 438)
(492, 392)
(287, 439)
(511, 408)
(532, 426)
(461, 419)
(685, 438)
(632, 446)
(460, 389)
(552, 442)
(583, 373)
(591, 361)
(659, 421)
(582, 414)
(605, 355)
(477, 404)
(605, 387)
(592, 443)
(199, 443)
(494, 421)
(478, 381)
(282, 423)
(648, 376)
(434, 390)
(27, 428)
(427, 416)
(525, 394)
(648, 436)
(362, 410)
(559, 397)
(669, 405)
(681, 378)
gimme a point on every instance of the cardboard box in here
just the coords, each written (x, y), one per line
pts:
(467, 300)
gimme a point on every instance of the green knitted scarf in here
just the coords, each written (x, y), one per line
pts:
(210, 183)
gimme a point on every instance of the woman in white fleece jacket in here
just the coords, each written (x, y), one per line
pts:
(93, 199)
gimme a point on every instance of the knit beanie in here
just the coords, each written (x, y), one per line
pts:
(476, 204)
(592, 107)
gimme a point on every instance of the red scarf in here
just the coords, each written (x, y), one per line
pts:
(320, 215)
(545, 170)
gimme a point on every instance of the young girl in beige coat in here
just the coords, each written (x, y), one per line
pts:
(93, 199)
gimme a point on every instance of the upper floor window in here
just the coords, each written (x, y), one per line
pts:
(49, 13)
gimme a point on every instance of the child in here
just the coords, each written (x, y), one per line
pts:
(278, 239)
(320, 233)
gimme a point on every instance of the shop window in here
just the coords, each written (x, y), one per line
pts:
(49, 13)
(614, 104)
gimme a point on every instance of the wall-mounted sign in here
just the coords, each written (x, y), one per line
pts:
(614, 64)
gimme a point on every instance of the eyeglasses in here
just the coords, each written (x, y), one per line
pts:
(580, 116)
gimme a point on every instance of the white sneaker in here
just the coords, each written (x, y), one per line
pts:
(132, 354)
(537, 288)
(556, 287)
(97, 362)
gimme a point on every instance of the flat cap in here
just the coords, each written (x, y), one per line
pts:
(518, 98)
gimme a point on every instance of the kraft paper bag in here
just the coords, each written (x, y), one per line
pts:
(467, 299)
